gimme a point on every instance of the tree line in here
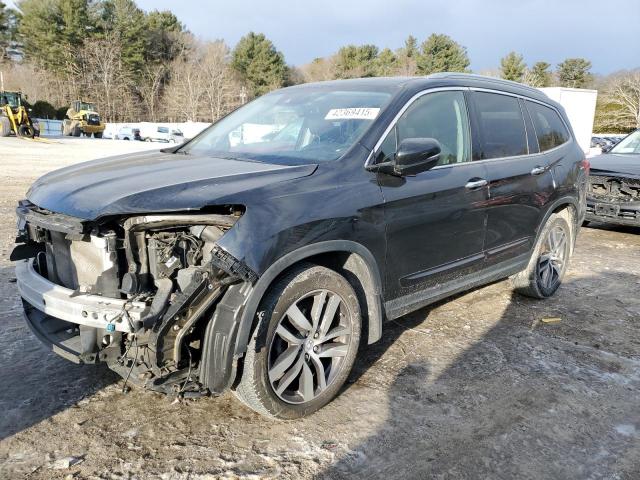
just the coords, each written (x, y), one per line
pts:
(139, 65)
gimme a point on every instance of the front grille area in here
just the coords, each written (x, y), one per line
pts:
(93, 119)
(626, 214)
(618, 189)
(88, 264)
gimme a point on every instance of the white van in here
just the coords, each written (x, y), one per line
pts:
(161, 134)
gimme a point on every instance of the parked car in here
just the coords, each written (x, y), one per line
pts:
(614, 184)
(128, 133)
(162, 134)
(259, 265)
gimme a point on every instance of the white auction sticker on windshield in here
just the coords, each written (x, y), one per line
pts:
(352, 113)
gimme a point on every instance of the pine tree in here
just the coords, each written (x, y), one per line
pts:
(574, 73)
(356, 61)
(539, 75)
(512, 67)
(440, 53)
(260, 64)
(407, 57)
(386, 63)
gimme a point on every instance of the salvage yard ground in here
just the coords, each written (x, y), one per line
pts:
(476, 387)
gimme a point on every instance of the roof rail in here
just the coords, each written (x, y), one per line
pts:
(484, 78)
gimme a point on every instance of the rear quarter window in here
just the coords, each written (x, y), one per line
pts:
(501, 125)
(550, 129)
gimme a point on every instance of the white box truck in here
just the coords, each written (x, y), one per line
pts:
(580, 105)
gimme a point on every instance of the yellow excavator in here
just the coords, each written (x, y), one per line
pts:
(82, 119)
(14, 117)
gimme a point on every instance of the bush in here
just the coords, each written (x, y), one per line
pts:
(43, 109)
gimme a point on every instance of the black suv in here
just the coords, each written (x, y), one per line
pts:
(259, 254)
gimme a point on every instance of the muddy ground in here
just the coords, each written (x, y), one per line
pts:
(475, 387)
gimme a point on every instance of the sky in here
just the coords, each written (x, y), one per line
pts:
(604, 32)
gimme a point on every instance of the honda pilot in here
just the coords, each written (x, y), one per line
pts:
(259, 255)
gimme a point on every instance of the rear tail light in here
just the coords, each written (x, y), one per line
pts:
(585, 165)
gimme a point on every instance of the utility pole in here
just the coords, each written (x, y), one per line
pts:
(1, 82)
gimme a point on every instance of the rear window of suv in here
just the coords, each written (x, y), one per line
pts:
(550, 130)
(501, 126)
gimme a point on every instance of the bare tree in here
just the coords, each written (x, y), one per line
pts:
(220, 88)
(202, 86)
(98, 75)
(182, 98)
(624, 93)
(319, 70)
(153, 77)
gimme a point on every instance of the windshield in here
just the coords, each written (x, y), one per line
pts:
(629, 144)
(293, 126)
(87, 106)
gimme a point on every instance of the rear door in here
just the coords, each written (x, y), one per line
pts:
(520, 179)
(435, 220)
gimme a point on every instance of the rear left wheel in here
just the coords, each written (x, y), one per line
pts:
(305, 344)
(550, 259)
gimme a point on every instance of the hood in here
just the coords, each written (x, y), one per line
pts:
(627, 165)
(152, 182)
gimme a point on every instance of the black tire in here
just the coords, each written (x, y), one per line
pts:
(5, 127)
(543, 275)
(26, 131)
(97, 135)
(76, 131)
(302, 284)
(586, 223)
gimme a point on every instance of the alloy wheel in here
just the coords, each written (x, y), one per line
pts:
(309, 346)
(552, 261)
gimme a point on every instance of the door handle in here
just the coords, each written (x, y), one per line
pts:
(538, 170)
(476, 183)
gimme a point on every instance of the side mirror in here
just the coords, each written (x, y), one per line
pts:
(414, 155)
(417, 155)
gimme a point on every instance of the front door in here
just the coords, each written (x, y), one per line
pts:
(435, 220)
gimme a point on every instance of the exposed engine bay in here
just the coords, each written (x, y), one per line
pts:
(146, 287)
(619, 189)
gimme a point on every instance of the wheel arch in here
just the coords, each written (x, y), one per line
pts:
(557, 206)
(228, 333)
(349, 258)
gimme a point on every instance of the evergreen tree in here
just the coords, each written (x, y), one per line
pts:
(440, 53)
(52, 30)
(539, 75)
(407, 56)
(574, 73)
(356, 61)
(512, 67)
(8, 24)
(386, 63)
(124, 19)
(260, 64)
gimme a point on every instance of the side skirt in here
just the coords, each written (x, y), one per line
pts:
(414, 301)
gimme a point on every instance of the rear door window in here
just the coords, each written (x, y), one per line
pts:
(550, 130)
(501, 125)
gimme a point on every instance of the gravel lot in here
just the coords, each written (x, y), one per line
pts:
(475, 387)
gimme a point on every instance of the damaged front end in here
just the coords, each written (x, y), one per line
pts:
(613, 199)
(152, 296)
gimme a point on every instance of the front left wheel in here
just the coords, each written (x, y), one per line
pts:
(304, 346)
